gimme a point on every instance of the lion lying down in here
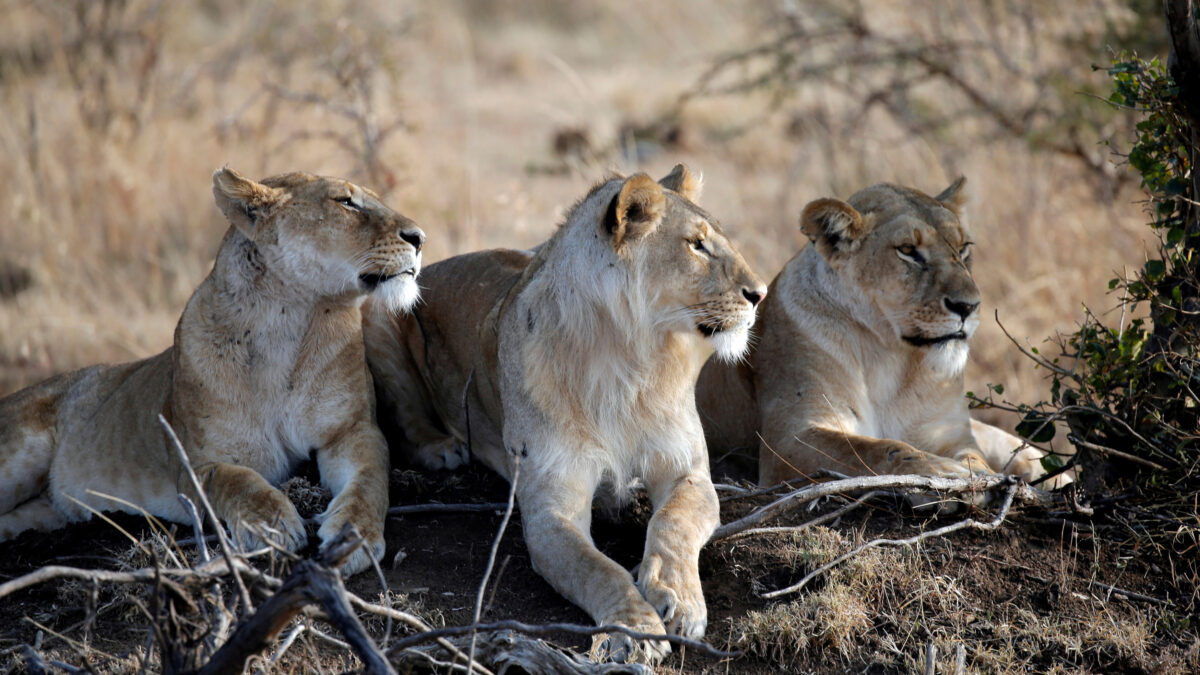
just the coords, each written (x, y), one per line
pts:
(576, 364)
(862, 343)
(267, 367)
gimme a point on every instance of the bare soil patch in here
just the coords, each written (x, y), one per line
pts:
(1034, 596)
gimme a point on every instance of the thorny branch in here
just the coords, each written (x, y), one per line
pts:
(913, 483)
(970, 523)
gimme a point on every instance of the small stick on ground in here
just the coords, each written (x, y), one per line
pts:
(416, 624)
(969, 523)
(225, 547)
(445, 508)
(819, 520)
(550, 628)
(313, 581)
(808, 493)
(1114, 590)
(487, 572)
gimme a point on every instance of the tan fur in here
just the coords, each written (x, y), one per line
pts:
(844, 375)
(267, 367)
(576, 358)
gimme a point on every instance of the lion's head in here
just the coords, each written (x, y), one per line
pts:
(654, 243)
(909, 256)
(325, 235)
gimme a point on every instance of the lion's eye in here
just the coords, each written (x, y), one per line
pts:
(348, 201)
(910, 253)
(966, 250)
(698, 245)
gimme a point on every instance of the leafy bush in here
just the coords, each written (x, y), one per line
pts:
(1130, 393)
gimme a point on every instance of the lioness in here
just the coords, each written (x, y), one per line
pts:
(576, 366)
(267, 368)
(863, 340)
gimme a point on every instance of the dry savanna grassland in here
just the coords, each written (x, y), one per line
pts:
(483, 121)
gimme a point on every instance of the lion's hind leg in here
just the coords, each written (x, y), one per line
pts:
(27, 420)
(36, 514)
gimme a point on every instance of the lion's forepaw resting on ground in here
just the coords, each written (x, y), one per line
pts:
(671, 584)
(621, 648)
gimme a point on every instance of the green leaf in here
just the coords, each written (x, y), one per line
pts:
(1176, 187)
(1036, 428)
(1051, 463)
(998, 388)
(1155, 269)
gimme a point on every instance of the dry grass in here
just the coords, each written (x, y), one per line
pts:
(886, 606)
(112, 123)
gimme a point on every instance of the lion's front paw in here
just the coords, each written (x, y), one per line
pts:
(360, 560)
(448, 453)
(672, 586)
(369, 528)
(268, 519)
(621, 648)
(905, 459)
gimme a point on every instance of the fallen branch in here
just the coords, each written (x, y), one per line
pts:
(1112, 452)
(313, 581)
(1013, 487)
(819, 520)
(445, 508)
(808, 493)
(511, 651)
(1114, 590)
(550, 628)
(206, 572)
(413, 622)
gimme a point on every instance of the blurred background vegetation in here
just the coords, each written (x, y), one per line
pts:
(484, 120)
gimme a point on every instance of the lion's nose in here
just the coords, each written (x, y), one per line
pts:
(962, 309)
(414, 236)
(754, 295)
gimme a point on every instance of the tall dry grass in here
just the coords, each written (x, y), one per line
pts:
(114, 113)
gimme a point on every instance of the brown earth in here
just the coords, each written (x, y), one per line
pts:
(1029, 597)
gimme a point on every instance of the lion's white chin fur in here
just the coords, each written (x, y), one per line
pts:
(399, 294)
(731, 345)
(948, 358)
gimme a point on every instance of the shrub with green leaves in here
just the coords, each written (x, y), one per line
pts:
(1128, 391)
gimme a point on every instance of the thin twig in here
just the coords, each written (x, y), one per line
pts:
(820, 520)
(197, 526)
(1105, 450)
(1114, 590)
(549, 628)
(487, 572)
(908, 483)
(225, 547)
(415, 623)
(211, 570)
(969, 523)
(495, 507)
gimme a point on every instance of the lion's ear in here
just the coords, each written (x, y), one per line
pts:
(683, 181)
(242, 200)
(635, 211)
(832, 225)
(954, 197)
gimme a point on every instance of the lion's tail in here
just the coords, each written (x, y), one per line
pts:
(27, 425)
